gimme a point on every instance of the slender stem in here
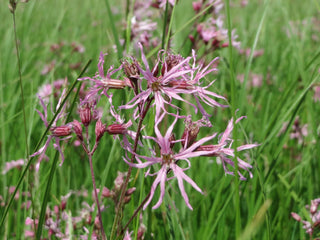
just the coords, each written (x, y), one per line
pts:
(135, 213)
(20, 81)
(96, 197)
(4, 215)
(165, 20)
(233, 109)
(125, 185)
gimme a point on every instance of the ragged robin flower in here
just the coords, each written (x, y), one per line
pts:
(168, 162)
(177, 77)
(58, 133)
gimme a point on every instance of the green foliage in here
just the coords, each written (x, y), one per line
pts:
(286, 172)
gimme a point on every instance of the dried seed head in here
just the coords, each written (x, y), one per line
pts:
(77, 129)
(61, 131)
(12, 5)
(170, 62)
(190, 135)
(100, 130)
(85, 114)
(192, 129)
(171, 140)
(131, 70)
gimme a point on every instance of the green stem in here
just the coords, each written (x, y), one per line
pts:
(125, 185)
(21, 86)
(38, 146)
(233, 109)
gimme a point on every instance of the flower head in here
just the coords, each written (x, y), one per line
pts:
(168, 161)
(57, 131)
(224, 150)
(103, 82)
(177, 77)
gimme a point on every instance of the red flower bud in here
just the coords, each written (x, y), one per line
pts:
(85, 114)
(130, 191)
(100, 130)
(61, 131)
(77, 129)
(116, 129)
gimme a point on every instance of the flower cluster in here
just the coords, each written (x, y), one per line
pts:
(164, 92)
(312, 226)
(165, 87)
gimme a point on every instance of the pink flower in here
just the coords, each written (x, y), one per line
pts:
(103, 82)
(314, 223)
(177, 77)
(168, 161)
(13, 164)
(224, 150)
(55, 136)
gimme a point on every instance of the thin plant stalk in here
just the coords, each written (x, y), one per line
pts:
(20, 83)
(55, 161)
(38, 146)
(135, 213)
(233, 109)
(96, 196)
(117, 219)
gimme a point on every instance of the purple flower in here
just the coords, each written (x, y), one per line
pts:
(102, 82)
(313, 225)
(57, 131)
(168, 161)
(224, 150)
(177, 77)
(13, 164)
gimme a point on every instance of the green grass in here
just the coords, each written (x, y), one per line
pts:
(286, 173)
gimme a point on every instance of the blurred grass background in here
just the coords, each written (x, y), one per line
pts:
(286, 172)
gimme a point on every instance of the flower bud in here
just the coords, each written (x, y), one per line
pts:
(56, 210)
(130, 191)
(114, 83)
(107, 193)
(77, 129)
(85, 114)
(63, 205)
(197, 6)
(180, 84)
(313, 207)
(296, 216)
(209, 148)
(61, 131)
(126, 199)
(119, 181)
(141, 231)
(100, 130)
(114, 129)
(97, 222)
